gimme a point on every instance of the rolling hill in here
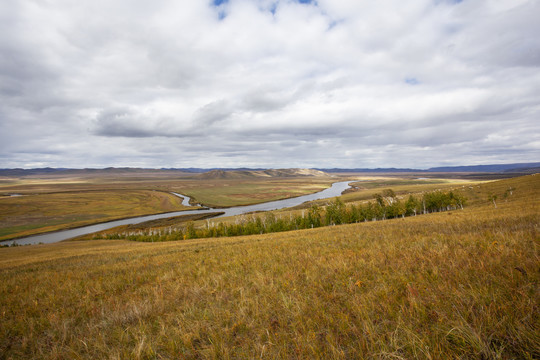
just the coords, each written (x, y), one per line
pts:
(245, 174)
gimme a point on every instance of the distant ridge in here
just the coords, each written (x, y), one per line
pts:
(238, 173)
(494, 168)
(521, 167)
(366, 170)
(246, 174)
(203, 170)
(110, 171)
(26, 172)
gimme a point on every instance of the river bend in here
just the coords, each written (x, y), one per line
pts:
(335, 190)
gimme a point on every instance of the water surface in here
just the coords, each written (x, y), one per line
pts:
(335, 190)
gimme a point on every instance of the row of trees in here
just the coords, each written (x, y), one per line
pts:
(385, 206)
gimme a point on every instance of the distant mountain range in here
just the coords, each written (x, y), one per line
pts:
(521, 167)
(494, 168)
(110, 171)
(221, 173)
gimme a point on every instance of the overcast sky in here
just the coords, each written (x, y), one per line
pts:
(269, 83)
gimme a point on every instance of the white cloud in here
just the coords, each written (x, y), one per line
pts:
(269, 83)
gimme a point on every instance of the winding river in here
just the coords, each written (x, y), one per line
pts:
(335, 190)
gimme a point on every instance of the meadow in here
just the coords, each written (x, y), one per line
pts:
(367, 188)
(239, 192)
(37, 213)
(53, 203)
(454, 285)
(387, 206)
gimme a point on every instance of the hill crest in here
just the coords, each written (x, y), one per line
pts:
(245, 174)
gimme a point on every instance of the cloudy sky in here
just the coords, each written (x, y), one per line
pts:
(269, 83)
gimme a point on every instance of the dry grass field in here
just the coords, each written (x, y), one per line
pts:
(454, 285)
(42, 212)
(366, 188)
(238, 192)
(54, 203)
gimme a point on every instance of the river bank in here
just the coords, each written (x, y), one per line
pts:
(335, 190)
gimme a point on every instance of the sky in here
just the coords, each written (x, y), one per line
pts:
(269, 83)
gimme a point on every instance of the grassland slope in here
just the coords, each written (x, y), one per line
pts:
(456, 285)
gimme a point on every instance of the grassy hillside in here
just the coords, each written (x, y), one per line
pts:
(461, 284)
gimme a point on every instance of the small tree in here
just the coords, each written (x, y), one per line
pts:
(493, 198)
(411, 206)
(380, 200)
(458, 200)
(190, 232)
(389, 195)
(314, 216)
(508, 192)
(335, 212)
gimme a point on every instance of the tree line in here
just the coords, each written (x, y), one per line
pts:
(385, 205)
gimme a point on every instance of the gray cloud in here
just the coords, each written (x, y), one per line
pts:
(213, 112)
(269, 83)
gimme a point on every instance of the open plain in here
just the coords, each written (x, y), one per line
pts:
(50, 203)
(458, 284)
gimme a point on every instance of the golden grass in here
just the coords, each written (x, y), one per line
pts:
(239, 192)
(32, 214)
(61, 203)
(367, 189)
(462, 284)
(369, 186)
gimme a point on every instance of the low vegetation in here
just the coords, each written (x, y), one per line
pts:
(446, 285)
(386, 206)
(37, 213)
(50, 204)
(235, 192)
(367, 189)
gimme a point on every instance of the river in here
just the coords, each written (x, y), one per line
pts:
(335, 190)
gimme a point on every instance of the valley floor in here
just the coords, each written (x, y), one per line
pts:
(460, 284)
